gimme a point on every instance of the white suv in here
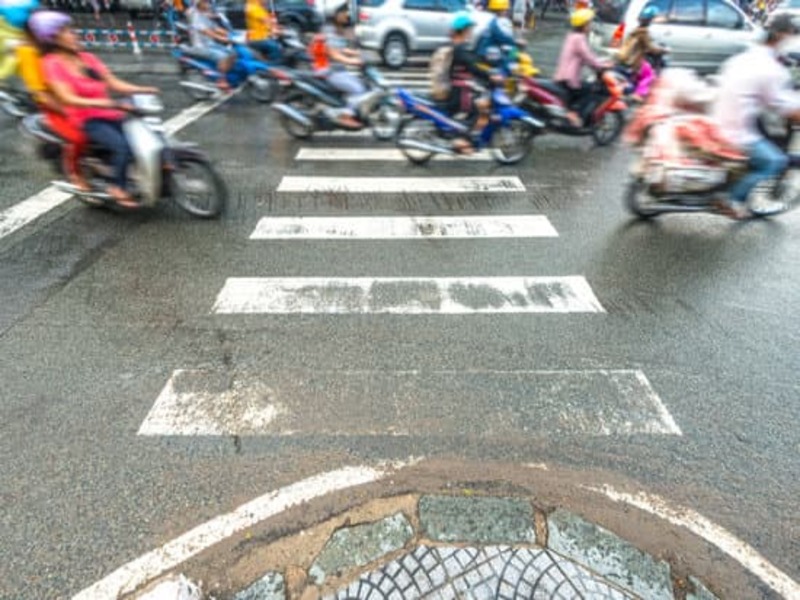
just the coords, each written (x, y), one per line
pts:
(398, 28)
(700, 34)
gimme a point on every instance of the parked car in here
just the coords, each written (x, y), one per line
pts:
(398, 28)
(300, 15)
(700, 34)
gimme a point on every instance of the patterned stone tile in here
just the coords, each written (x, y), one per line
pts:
(488, 573)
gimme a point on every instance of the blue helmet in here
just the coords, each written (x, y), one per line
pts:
(16, 13)
(649, 13)
(462, 21)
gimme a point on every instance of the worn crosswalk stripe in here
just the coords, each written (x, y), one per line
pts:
(401, 184)
(478, 404)
(406, 295)
(404, 227)
(373, 154)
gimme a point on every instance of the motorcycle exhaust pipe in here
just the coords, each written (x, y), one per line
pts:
(415, 145)
(293, 114)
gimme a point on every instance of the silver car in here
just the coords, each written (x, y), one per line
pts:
(398, 28)
(700, 34)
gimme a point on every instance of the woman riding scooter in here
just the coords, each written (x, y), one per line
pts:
(82, 84)
(575, 55)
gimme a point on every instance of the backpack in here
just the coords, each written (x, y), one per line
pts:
(441, 61)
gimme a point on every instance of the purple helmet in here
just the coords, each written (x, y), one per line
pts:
(46, 24)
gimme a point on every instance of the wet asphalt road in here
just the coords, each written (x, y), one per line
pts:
(97, 310)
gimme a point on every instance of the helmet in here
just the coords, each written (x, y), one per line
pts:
(46, 24)
(16, 14)
(498, 5)
(462, 21)
(649, 13)
(581, 17)
(781, 23)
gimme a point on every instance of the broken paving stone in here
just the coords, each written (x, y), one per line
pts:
(609, 555)
(359, 545)
(476, 519)
(270, 587)
(700, 591)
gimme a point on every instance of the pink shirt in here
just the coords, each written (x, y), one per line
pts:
(575, 54)
(57, 69)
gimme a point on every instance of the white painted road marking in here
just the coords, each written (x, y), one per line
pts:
(379, 228)
(743, 553)
(375, 154)
(17, 216)
(406, 295)
(502, 404)
(137, 572)
(414, 185)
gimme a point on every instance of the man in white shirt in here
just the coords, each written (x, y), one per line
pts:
(750, 83)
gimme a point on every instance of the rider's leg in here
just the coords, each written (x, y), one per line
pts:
(73, 148)
(109, 134)
(766, 162)
(644, 80)
(352, 88)
(268, 48)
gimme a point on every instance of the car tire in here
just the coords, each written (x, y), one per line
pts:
(395, 51)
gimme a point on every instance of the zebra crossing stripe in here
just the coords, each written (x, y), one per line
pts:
(379, 228)
(507, 403)
(361, 185)
(374, 154)
(406, 295)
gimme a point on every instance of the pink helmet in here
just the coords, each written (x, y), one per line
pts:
(46, 24)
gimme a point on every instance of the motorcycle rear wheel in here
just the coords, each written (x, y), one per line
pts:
(636, 200)
(418, 130)
(383, 120)
(196, 77)
(512, 142)
(300, 102)
(608, 128)
(195, 178)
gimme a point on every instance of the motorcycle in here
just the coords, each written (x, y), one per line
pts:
(698, 186)
(200, 76)
(428, 130)
(601, 109)
(161, 168)
(310, 104)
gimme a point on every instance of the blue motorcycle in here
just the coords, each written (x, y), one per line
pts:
(427, 130)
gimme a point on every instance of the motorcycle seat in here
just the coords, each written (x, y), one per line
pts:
(551, 86)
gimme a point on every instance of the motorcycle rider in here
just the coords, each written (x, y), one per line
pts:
(332, 51)
(465, 65)
(637, 52)
(261, 27)
(209, 40)
(576, 54)
(750, 83)
(81, 83)
(13, 17)
(498, 33)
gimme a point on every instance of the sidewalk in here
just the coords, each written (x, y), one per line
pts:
(445, 546)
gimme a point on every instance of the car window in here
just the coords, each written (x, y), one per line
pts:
(688, 12)
(371, 3)
(723, 15)
(420, 4)
(452, 5)
(611, 11)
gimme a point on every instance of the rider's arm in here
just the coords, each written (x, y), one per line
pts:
(114, 83)
(779, 96)
(588, 57)
(503, 32)
(469, 61)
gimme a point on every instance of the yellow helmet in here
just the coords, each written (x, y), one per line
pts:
(581, 17)
(498, 5)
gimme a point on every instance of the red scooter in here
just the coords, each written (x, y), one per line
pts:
(601, 108)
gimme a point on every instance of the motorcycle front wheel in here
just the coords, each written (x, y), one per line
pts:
(384, 118)
(417, 130)
(607, 129)
(197, 188)
(512, 142)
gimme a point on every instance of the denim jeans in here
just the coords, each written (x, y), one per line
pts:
(766, 161)
(269, 48)
(110, 136)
